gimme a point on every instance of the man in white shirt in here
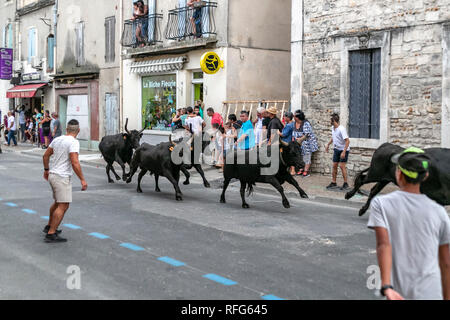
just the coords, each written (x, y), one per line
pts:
(12, 129)
(341, 143)
(413, 235)
(194, 123)
(64, 152)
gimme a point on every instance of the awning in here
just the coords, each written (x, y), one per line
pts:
(25, 91)
(156, 66)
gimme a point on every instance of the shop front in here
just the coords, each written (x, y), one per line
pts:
(79, 99)
(159, 101)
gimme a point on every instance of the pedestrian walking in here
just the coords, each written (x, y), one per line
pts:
(5, 126)
(11, 129)
(341, 143)
(412, 234)
(63, 153)
(56, 126)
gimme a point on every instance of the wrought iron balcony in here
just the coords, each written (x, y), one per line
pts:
(197, 21)
(142, 32)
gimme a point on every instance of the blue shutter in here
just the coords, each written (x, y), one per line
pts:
(364, 107)
(50, 52)
(30, 44)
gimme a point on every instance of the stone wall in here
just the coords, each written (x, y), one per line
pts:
(413, 77)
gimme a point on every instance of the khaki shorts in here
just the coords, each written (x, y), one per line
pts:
(62, 188)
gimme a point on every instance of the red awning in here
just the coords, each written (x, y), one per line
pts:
(25, 91)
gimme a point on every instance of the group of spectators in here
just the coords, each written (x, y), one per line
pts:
(33, 127)
(245, 134)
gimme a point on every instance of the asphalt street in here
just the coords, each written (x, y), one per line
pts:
(148, 246)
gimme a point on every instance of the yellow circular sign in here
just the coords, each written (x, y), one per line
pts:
(211, 63)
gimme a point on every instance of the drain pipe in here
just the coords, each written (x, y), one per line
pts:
(121, 70)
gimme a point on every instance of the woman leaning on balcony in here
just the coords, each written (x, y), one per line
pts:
(196, 19)
(140, 14)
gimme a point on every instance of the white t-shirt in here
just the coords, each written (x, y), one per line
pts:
(417, 226)
(11, 123)
(339, 136)
(196, 123)
(60, 163)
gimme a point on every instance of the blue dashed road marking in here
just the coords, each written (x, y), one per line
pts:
(219, 279)
(71, 226)
(10, 204)
(99, 235)
(29, 211)
(271, 297)
(172, 262)
(45, 217)
(132, 247)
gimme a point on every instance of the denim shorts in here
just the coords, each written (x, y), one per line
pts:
(337, 156)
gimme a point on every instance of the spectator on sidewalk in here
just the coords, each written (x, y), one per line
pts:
(194, 123)
(11, 129)
(45, 123)
(216, 118)
(218, 145)
(341, 143)
(22, 122)
(29, 133)
(228, 138)
(274, 125)
(286, 134)
(56, 129)
(258, 124)
(63, 152)
(5, 126)
(246, 135)
(413, 235)
(305, 136)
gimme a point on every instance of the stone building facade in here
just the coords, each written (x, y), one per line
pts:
(407, 43)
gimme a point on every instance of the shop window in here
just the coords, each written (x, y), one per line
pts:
(7, 41)
(159, 101)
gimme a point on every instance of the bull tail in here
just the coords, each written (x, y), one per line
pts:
(250, 188)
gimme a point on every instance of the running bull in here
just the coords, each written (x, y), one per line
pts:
(289, 154)
(158, 161)
(382, 171)
(119, 148)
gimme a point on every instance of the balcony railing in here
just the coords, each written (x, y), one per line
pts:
(192, 22)
(142, 31)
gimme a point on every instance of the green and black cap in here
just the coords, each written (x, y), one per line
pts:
(413, 163)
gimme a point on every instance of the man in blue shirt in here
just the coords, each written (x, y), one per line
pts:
(246, 136)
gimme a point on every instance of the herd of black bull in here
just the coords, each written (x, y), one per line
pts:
(157, 160)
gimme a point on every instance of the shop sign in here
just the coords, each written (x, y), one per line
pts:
(211, 63)
(6, 63)
(31, 76)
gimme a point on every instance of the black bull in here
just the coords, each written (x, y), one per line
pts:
(158, 161)
(248, 174)
(119, 148)
(382, 171)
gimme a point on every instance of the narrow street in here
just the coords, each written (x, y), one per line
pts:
(148, 246)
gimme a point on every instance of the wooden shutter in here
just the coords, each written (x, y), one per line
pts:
(110, 39)
(364, 108)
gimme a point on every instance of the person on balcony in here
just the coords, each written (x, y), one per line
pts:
(196, 19)
(140, 14)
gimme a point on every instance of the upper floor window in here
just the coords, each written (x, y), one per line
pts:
(7, 41)
(110, 39)
(50, 52)
(32, 44)
(79, 43)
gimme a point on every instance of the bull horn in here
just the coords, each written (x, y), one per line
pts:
(171, 142)
(145, 126)
(126, 127)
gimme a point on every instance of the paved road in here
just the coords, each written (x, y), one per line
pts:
(157, 248)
